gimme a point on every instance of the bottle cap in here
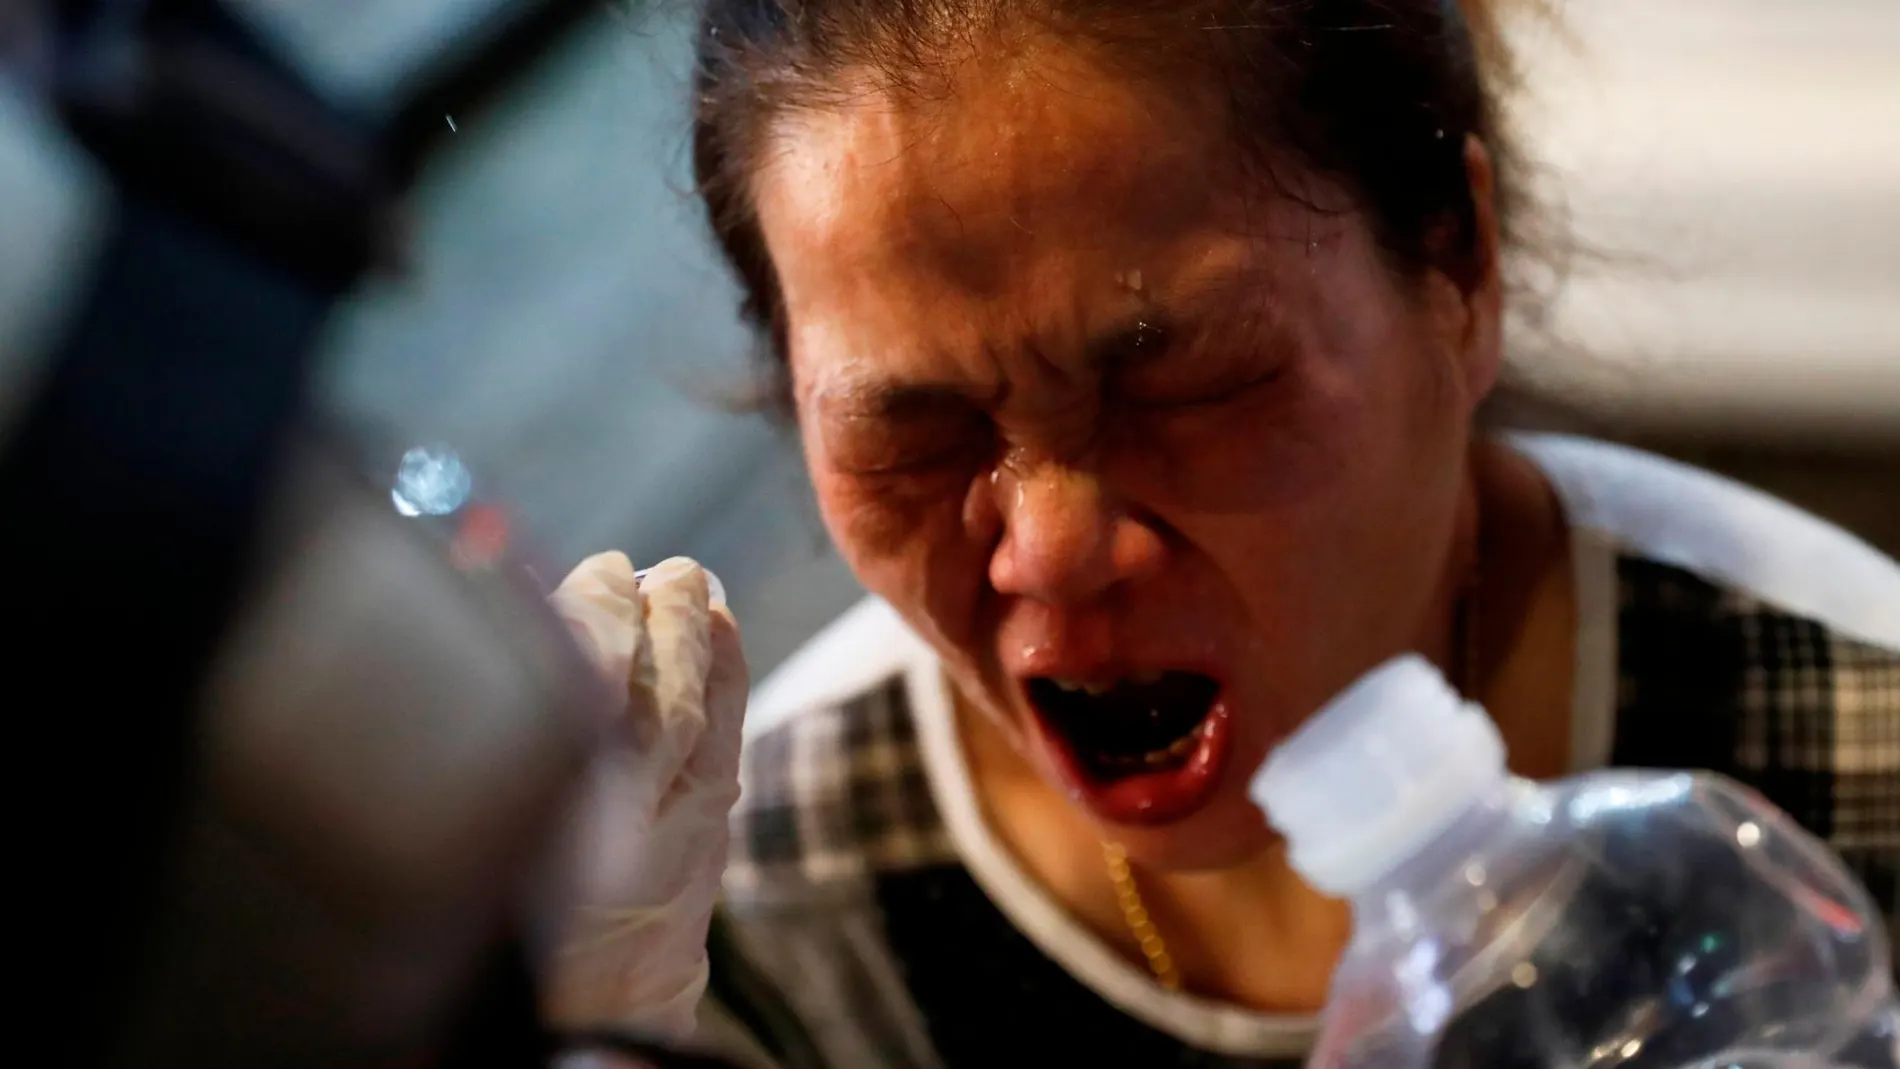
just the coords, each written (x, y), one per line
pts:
(1377, 774)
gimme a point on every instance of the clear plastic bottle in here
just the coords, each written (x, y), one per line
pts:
(1619, 918)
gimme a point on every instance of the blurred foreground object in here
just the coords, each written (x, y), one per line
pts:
(315, 782)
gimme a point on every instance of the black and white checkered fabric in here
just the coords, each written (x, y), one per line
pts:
(1711, 679)
(845, 888)
(836, 794)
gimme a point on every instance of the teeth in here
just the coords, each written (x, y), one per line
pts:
(1098, 689)
(1180, 748)
(1093, 690)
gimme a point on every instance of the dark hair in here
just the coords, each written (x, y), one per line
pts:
(1376, 96)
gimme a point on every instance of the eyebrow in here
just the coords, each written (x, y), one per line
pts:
(877, 398)
(1128, 342)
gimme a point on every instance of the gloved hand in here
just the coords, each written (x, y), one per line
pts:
(652, 843)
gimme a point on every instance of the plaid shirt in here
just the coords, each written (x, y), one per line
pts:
(846, 890)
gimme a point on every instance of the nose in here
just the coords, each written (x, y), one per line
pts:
(1066, 539)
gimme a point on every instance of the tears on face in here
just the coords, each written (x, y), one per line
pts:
(1155, 460)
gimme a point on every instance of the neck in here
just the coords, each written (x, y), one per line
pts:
(1502, 627)
(1525, 606)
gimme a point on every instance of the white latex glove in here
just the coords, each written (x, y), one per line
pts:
(653, 834)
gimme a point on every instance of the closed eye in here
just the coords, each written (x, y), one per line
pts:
(918, 434)
(1187, 396)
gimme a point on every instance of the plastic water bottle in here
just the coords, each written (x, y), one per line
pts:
(1627, 919)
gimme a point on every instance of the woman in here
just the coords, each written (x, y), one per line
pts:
(1137, 350)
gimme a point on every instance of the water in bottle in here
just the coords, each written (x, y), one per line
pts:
(1629, 919)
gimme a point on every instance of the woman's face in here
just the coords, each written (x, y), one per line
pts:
(1158, 459)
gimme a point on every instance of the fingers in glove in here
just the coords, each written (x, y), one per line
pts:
(679, 627)
(600, 601)
(714, 763)
(715, 590)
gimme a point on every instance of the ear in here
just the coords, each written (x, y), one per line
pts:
(1480, 347)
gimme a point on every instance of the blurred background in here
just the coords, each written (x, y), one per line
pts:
(1731, 169)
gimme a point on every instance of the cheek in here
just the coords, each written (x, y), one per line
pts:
(1360, 558)
(906, 541)
(1326, 502)
(873, 526)
(1367, 452)
(1278, 497)
(1271, 457)
(1293, 448)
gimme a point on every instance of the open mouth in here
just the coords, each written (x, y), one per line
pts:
(1132, 726)
(1143, 749)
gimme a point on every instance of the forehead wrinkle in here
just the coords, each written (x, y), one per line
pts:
(898, 241)
(981, 179)
(1218, 284)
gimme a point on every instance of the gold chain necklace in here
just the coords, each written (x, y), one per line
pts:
(1128, 895)
(1135, 913)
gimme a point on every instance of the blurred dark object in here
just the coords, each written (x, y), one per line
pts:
(313, 779)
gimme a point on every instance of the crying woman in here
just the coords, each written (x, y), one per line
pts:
(1134, 348)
